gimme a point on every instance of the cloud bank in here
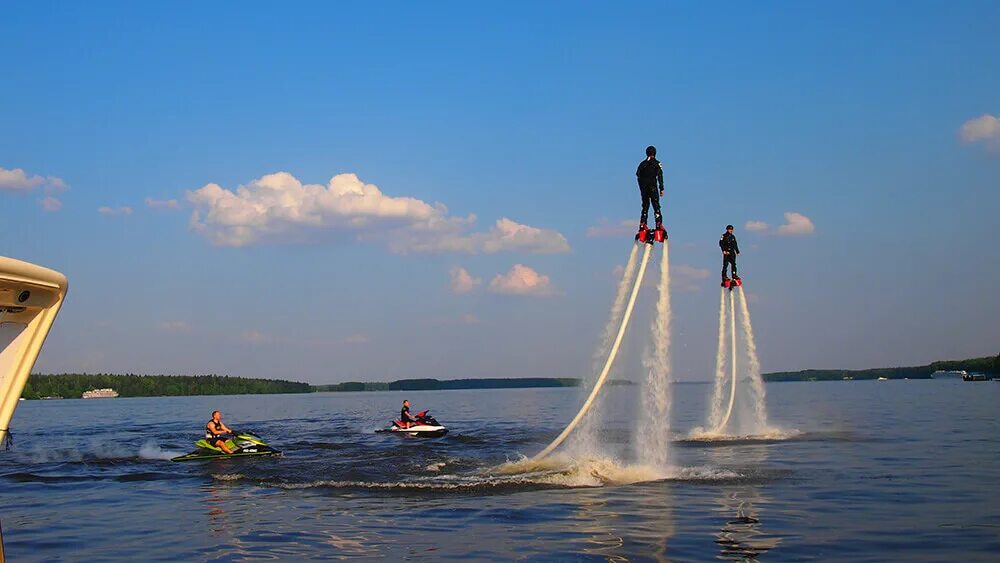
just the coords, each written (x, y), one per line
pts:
(278, 208)
(796, 224)
(983, 129)
(522, 280)
(607, 229)
(462, 281)
(17, 180)
(114, 211)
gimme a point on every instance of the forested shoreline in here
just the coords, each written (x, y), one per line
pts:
(72, 385)
(989, 365)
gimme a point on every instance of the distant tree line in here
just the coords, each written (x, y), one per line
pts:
(989, 365)
(448, 384)
(72, 385)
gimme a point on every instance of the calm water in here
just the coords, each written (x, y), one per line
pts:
(899, 470)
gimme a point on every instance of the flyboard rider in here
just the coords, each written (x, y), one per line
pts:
(730, 250)
(650, 178)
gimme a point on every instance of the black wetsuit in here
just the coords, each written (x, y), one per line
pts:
(405, 416)
(730, 248)
(650, 178)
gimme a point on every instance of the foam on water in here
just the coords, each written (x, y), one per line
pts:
(700, 434)
(150, 450)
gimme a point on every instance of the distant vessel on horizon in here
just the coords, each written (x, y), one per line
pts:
(975, 377)
(106, 393)
(950, 373)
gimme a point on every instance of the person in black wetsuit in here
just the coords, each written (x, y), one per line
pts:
(730, 250)
(216, 432)
(650, 178)
(404, 415)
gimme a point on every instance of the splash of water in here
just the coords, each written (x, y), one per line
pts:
(585, 440)
(150, 450)
(654, 427)
(757, 394)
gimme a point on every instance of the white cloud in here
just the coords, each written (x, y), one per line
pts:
(54, 185)
(162, 203)
(462, 281)
(506, 235)
(985, 128)
(688, 278)
(522, 280)
(279, 208)
(796, 224)
(254, 337)
(50, 204)
(606, 229)
(174, 326)
(112, 211)
(357, 339)
(756, 226)
(18, 180)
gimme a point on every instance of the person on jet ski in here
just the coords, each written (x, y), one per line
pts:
(216, 432)
(404, 415)
(730, 250)
(650, 177)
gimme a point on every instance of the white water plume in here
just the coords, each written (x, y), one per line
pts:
(607, 366)
(753, 367)
(745, 414)
(585, 439)
(721, 381)
(654, 427)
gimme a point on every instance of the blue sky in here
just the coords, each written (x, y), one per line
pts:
(498, 136)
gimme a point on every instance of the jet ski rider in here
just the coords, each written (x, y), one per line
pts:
(404, 415)
(650, 177)
(216, 432)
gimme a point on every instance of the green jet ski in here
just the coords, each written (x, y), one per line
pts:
(243, 444)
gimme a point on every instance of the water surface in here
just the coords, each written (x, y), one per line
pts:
(903, 470)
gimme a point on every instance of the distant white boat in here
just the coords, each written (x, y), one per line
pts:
(106, 393)
(883, 379)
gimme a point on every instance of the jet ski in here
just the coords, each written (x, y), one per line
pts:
(243, 444)
(424, 427)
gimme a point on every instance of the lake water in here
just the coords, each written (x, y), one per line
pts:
(897, 470)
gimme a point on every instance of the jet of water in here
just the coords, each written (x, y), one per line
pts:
(607, 366)
(585, 442)
(654, 427)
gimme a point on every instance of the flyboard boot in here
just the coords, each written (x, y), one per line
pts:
(649, 236)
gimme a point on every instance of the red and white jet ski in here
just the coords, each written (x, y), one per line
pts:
(424, 427)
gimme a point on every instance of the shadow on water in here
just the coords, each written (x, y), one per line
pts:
(742, 535)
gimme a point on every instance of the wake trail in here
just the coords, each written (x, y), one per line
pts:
(611, 359)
